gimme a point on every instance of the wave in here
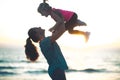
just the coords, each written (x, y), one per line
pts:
(7, 67)
(4, 73)
(3, 61)
(43, 71)
(9, 61)
(90, 70)
(17, 61)
(26, 61)
(37, 72)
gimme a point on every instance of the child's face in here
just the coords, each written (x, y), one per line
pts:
(44, 13)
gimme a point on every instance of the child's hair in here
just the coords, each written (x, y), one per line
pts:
(44, 1)
(44, 6)
(30, 49)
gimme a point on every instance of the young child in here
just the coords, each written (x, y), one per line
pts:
(70, 19)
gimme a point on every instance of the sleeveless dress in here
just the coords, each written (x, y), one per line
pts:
(53, 55)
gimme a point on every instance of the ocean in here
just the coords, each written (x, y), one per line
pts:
(84, 64)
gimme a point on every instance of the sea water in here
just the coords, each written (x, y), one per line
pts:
(87, 64)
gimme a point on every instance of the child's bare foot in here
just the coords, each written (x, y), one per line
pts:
(82, 24)
(87, 36)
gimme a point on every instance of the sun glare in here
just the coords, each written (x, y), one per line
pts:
(14, 26)
(76, 41)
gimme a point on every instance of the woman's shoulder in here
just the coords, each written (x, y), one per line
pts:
(45, 41)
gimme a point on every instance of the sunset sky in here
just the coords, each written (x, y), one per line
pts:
(101, 16)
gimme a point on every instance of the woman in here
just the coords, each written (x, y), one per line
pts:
(70, 19)
(50, 50)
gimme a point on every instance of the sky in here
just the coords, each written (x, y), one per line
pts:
(102, 18)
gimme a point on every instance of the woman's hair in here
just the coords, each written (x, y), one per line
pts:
(44, 6)
(30, 49)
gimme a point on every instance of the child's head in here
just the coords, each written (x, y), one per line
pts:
(36, 34)
(44, 1)
(44, 9)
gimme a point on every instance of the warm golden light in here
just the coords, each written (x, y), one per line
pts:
(16, 21)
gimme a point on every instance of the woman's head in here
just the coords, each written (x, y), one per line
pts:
(44, 9)
(36, 34)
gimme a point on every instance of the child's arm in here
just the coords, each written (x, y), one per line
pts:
(58, 32)
(59, 28)
(58, 19)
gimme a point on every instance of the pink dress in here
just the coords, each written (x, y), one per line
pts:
(66, 14)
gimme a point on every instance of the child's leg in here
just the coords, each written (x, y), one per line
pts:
(71, 31)
(80, 23)
(85, 34)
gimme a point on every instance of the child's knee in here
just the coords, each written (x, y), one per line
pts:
(70, 31)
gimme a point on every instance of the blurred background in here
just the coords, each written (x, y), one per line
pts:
(99, 56)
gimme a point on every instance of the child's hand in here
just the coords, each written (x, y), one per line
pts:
(51, 29)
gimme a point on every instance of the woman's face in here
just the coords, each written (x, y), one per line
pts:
(40, 33)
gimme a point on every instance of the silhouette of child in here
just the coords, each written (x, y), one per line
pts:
(70, 19)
